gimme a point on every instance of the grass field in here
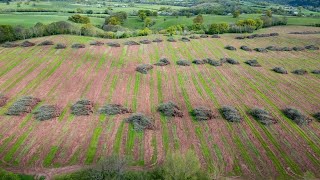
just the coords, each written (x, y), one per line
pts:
(104, 75)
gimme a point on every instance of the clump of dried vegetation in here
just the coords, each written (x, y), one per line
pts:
(27, 44)
(114, 109)
(204, 36)
(9, 45)
(163, 62)
(96, 43)
(78, 46)
(82, 108)
(231, 48)
(140, 121)
(215, 36)
(185, 39)
(145, 41)
(113, 44)
(22, 106)
(246, 48)
(317, 71)
(47, 112)
(312, 47)
(183, 63)
(300, 72)
(231, 114)
(171, 39)
(202, 113)
(229, 60)
(131, 43)
(296, 116)
(194, 37)
(253, 63)
(213, 62)
(60, 46)
(317, 116)
(262, 50)
(144, 68)
(46, 43)
(157, 40)
(263, 116)
(199, 61)
(170, 109)
(280, 70)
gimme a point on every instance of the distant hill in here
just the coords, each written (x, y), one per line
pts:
(314, 3)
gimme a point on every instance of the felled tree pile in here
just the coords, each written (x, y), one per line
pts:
(82, 108)
(140, 122)
(257, 36)
(202, 113)
(145, 41)
(231, 48)
(9, 45)
(27, 44)
(171, 39)
(300, 72)
(113, 44)
(185, 39)
(96, 43)
(114, 109)
(213, 62)
(60, 46)
(170, 109)
(253, 63)
(246, 48)
(199, 61)
(229, 60)
(131, 43)
(312, 47)
(215, 36)
(183, 63)
(78, 45)
(22, 106)
(263, 116)
(280, 70)
(194, 37)
(162, 62)
(3, 100)
(298, 48)
(306, 32)
(47, 112)
(296, 116)
(204, 36)
(144, 68)
(157, 40)
(262, 50)
(46, 43)
(317, 71)
(231, 114)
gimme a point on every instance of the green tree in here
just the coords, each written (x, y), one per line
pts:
(300, 11)
(198, 19)
(259, 23)
(142, 15)
(218, 28)
(114, 21)
(269, 13)
(236, 14)
(172, 30)
(147, 22)
(6, 33)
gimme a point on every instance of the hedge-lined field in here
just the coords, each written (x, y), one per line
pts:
(104, 74)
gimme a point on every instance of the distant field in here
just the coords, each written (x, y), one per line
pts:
(104, 74)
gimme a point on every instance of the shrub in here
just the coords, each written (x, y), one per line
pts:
(317, 71)
(145, 41)
(22, 106)
(246, 48)
(317, 116)
(231, 114)
(296, 116)
(140, 122)
(300, 71)
(113, 109)
(9, 45)
(262, 50)
(77, 46)
(280, 70)
(183, 63)
(131, 43)
(162, 62)
(194, 37)
(82, 108)
(204, 36)
(229, 60)
(113, 44)
(202, 113)
(46, 43)
(253, 63)
(60, 46)
(171, 39)
(96, 43)
(198, 61)
(157, 40)
(79, 19)
(231, 48)
(170, 109)
(262, 116)
(218, 28)
(213, 62)
(144, 68)
(215, 36)
(312, 47)
(47, 112)
(298, 48)
(3, 100)
(27, 44)
(185, 39)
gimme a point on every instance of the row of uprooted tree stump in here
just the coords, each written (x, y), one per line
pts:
(257, 36)
(273, 48)
(140, 121)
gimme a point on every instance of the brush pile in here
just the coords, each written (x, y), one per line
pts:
(185, 39)
(22, 106)
(96, 43)
(215, 36)
(229, 60)
(47, 112)
(171, 39)
(114, 109)
(231, 114)
(202, 113)
(145, 41)
(113, 44)
(27, 44)
(46, 43)
(9, 45)
(140, 122)
(280, 70)
(170, 109)
(82, 108)
(231, 48)
(144, 68)
(131, 43)
(213, 62)
(253, 63)
(78, 46)
(300, 72)
(162, 62)
(60, 46)
(312, 47)
(157, 40)
(262, 116)
(183, 63)
(198, 61)
(296, 116)
(246, 48)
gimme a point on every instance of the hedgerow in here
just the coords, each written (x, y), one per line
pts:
(114, 109)
(300, 71)
(280, 70)
(162, 62)
(253, 63)
(140, 122)
(22, 106)
(296, 116)
(231, 114)
(170, 109)
(202, 113)
(262, 116)
(144, 68)
(47, 112)
(183, 63)
(82, 108)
